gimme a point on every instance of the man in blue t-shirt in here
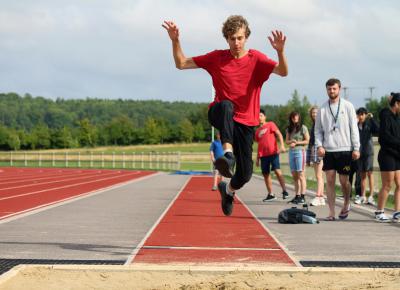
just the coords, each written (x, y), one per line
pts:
(216, 151)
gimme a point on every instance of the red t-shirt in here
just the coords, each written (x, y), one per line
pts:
(238, 80)
(266, 139)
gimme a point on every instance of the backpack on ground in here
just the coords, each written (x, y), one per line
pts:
(296, 215)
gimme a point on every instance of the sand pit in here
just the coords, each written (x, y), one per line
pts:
(123, 277)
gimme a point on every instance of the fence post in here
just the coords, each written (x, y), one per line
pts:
(123, 160)
(179, 161)
(150, 160)
(53, 162)
(11, 158)
(91, 159)
(40, 159)
(102, 159)
(133, 160)
(142, 158)
(66, 159)
(113, 159)
(79, 159)
(26, 160)
(158, 160)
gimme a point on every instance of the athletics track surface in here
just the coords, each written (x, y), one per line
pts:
(191, 230)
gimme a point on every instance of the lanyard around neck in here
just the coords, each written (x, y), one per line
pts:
(336, 116)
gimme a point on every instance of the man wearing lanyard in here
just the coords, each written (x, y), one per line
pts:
(337, 139)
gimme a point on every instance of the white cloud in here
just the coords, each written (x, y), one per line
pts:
(119, 49)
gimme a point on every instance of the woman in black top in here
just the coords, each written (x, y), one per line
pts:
(389, 157)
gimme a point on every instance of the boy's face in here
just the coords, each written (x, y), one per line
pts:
(237, 41)
(262, 118)
(361, 117)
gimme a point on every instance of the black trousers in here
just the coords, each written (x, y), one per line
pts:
(355, 170)
(240, 136)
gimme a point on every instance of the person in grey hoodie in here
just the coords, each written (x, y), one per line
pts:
(338, 142)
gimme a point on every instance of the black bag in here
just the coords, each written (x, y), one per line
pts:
(296, 215)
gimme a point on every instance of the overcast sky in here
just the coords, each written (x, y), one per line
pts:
(118, 49)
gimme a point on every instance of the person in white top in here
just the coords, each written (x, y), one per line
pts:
(338, 142)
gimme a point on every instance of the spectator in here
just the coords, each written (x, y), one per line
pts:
(389, 158)
(216, 152)
(268, 152)
(338, 141)
(315, 161)
(367, 127)
(297, 137)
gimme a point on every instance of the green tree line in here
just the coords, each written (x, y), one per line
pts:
(28, 122)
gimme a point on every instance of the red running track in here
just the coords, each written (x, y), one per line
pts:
(194, 230)
(26, 189)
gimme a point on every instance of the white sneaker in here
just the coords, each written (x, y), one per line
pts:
(321, 200)
(371, 200)
(315, 201)
(360, 199)
(382, 218)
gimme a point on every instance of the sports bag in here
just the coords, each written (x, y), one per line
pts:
(296, 215)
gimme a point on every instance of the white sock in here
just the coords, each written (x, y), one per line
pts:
(229, 190)
(228, 150)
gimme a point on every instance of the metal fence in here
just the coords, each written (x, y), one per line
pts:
(133, 160)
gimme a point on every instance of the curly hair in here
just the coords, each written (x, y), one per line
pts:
(233, 24)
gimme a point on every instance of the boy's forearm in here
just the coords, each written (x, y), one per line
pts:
(282, 67)
(179, 57)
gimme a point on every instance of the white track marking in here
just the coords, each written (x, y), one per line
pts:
(17, 176)
(210, 248)
(272, 235)
(55, 181)
(140, 245)
(33, 178)
(43, 207)
(66, 186)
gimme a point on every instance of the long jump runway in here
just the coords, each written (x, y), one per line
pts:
(132, 216)
(195, 231)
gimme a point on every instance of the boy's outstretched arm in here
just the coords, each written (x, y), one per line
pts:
(181, 62)
(278, 43)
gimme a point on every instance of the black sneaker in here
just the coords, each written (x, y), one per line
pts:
(301, 199)
(285, 194)
(226, 164)
(270, 197)
(295, 199)
(226, 199)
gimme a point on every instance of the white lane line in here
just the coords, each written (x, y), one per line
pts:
(15, 176)
(210, 248)
(54, 181)
(140, 245)
(21, 179)
(54, 204)
(297, 263)
(66, 186)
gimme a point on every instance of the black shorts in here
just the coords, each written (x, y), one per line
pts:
(338, 161)
(387, 162)
(269, 163)
(366, 163)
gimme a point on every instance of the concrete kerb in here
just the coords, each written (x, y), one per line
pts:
(186, 268)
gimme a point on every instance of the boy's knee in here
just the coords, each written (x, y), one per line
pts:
(227, 106)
